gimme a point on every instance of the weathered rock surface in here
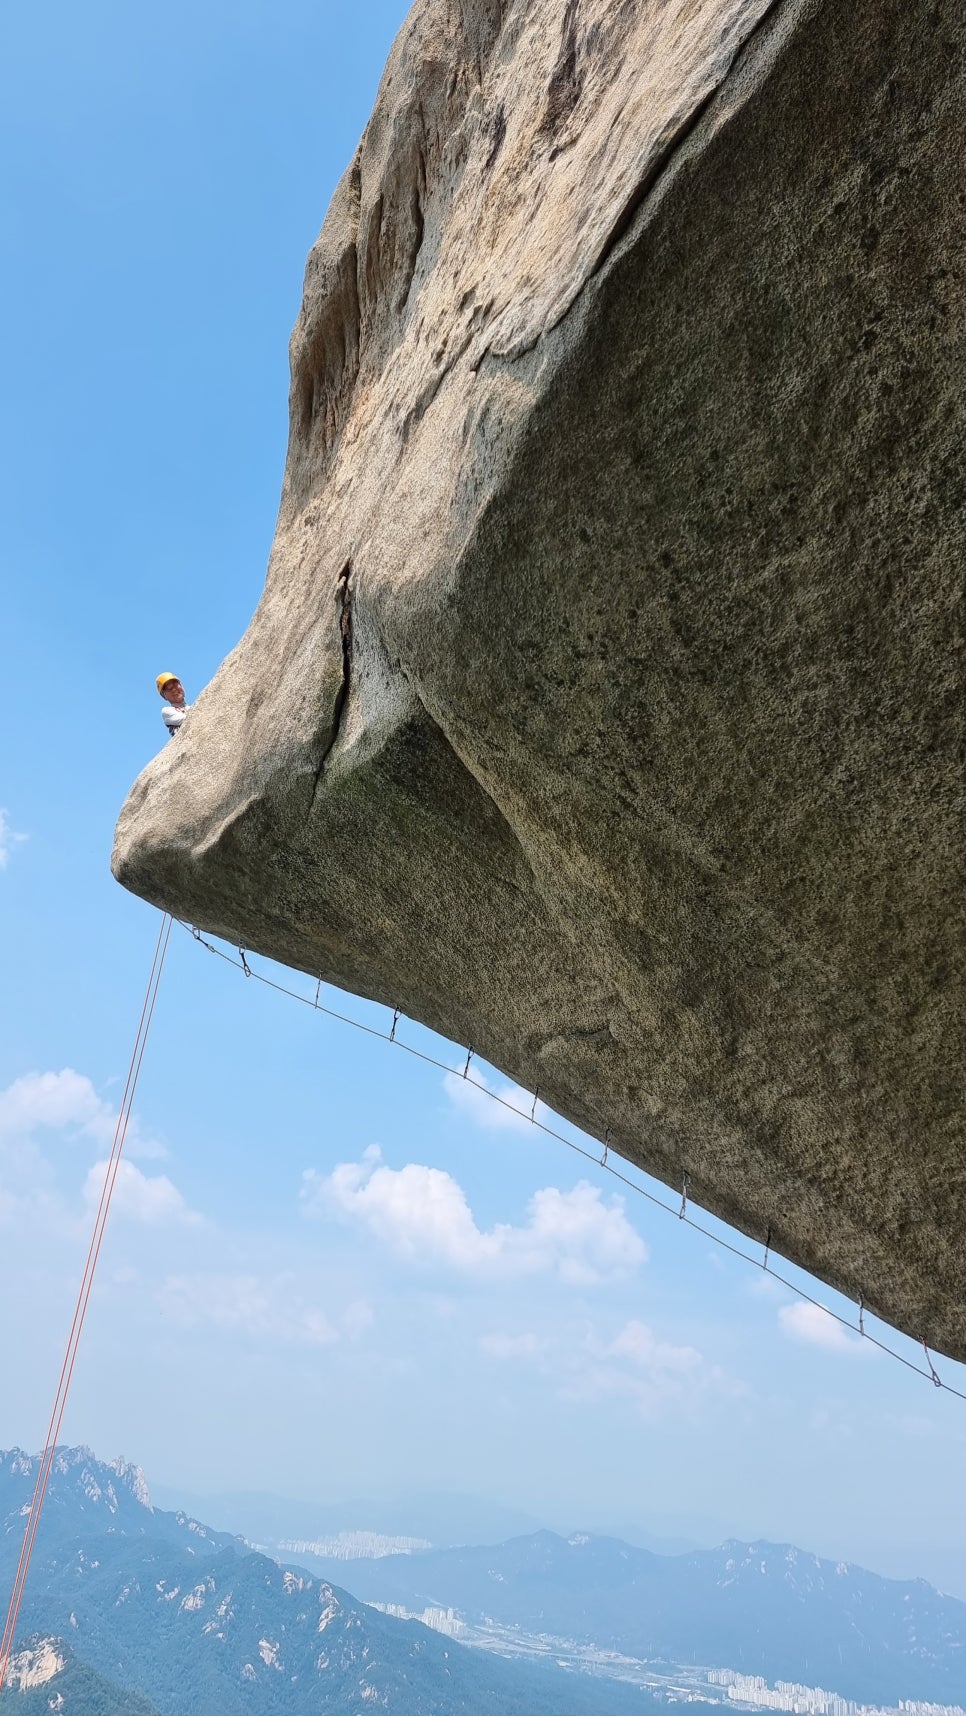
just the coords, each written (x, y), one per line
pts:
(604, 707)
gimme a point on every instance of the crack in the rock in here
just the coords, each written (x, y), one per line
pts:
(675, 144)
(566, 82)
(497, 137)
(345, 629)
(645, 186)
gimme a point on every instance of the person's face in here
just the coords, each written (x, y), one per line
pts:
(173, 692)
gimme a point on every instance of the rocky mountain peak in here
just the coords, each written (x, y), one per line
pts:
(133, 1478)
(36, 1664)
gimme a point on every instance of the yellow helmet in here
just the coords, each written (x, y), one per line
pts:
(164, 679)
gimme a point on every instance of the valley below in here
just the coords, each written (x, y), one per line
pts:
(157, 1604)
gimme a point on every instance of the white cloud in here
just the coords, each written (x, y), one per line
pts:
(593, 1238)
(651, 1374)
(264, 1309)
(52, 1099)
(510, 1346)
(66, 1101)
(58, 1101)
(634, 1365)
(422, 1214)
(474, 1097)
(34, 1186)
(816, 1326)
(152, 1199)
(638, 1344)
(8, 839)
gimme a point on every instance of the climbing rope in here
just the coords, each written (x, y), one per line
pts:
(83, 1298)
(681, 1213)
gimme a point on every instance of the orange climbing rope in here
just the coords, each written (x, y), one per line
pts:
(83, 1297)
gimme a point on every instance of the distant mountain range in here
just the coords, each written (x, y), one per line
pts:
(201, 1626)
(442, 1519)
(762, 1608)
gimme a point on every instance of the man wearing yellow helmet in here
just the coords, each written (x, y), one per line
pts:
(172, 691)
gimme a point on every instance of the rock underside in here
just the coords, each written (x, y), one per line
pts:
(604, 706)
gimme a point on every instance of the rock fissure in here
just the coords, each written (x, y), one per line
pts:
(659, 170)
(566, 82)
(676, 146)
(344, 596)
(497, 138)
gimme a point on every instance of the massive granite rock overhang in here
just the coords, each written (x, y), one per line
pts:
(604, 706)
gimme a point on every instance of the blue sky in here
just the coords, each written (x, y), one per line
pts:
(331, 1270)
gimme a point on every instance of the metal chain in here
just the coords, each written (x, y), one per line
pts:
(603, 1161)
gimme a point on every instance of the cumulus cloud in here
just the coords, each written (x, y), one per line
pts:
(816, 1326)
(8, 839)
(474, 1097)
(66, 1101)
(269, 1309)
(63, 1102)
(52, 1099)
(636, 1366)
(152, 1199)
(651, 1376)
(423, 1215)
(638, 1344)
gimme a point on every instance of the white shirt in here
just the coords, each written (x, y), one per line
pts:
(173, 717)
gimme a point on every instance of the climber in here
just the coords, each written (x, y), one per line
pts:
(172, 691)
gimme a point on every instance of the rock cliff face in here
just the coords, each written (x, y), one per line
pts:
(604, 706)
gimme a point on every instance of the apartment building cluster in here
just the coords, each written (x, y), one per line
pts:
(441, 1620)
(814, 1700)
(353, 1546)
